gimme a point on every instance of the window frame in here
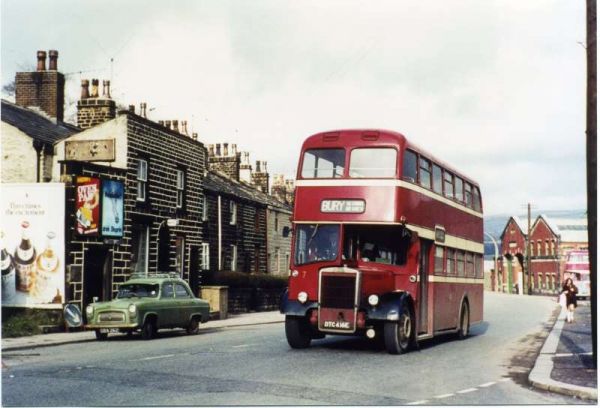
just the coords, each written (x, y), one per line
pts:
(315, 170)
(142, 180)
(393, 168)
(180, 180)
(205, 258)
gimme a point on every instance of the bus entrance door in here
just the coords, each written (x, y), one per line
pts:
(424, 286)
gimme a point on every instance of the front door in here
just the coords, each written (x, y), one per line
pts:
(97, 274)
(424, 285)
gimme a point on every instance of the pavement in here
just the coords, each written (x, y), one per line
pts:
(565, 363)
(55, 339)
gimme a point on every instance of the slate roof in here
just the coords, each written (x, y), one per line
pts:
(34, 124)
(219, 183)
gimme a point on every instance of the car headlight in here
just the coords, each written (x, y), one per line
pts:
(373, 300)
(302, 297)
(132, 309)
(89, 310)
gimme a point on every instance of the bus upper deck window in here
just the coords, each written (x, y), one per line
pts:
(437, 179)
(409, 166)
(373, 162)
(448, 185)
(323, 163)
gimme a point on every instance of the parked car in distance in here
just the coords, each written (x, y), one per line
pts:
(148, 303)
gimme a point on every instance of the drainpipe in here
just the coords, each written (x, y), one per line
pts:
(219, 230)
(39, 147)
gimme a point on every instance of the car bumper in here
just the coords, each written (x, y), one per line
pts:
(95, 326)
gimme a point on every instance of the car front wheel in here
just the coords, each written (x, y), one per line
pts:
(149, 329)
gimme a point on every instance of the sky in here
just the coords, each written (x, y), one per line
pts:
(496, 88)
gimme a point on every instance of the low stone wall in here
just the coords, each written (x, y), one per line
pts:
(243, 300)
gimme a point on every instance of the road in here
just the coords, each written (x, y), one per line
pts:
(253, 365)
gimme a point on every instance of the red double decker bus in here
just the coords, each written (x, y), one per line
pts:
(388, 241)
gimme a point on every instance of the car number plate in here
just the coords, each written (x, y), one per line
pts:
(109, 330)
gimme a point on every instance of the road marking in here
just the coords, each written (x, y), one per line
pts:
(443, 396)
(466, 391)
(572, 354)
(418, 402)
(487, 384)
(153, 358)
(243, 345)
(504, 380)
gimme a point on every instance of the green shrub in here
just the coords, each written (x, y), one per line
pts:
(246, 280)
(18, 322)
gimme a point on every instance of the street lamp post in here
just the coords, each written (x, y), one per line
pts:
(495, 259)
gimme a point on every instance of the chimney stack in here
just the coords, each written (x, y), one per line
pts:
(161, 122)
(41, 60)
(94, 93)
(85, 88)
(257, 169)
(143, 109)
(175, 125)
(168, 124)
(132, 108)
(41, 88)
(53, 64)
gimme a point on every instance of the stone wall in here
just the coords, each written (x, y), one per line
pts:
(244, 300)
(18, 156)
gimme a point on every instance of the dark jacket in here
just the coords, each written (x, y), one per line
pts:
(571, 293)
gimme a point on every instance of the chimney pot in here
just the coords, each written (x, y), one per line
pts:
(107, 89)
(218, 149)
(257, 169)
(233, 149)
(168, 124)
(195, 136)
(41, 60)
(211, 149)
(161, 122)
(103, 88)
(53, 64)
(225, 149)
(175, 125)
(184, 127)
(143, 109)
(94, 93)
(85, 88)
(132, 108)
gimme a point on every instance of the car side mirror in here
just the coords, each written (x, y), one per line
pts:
(95, 299)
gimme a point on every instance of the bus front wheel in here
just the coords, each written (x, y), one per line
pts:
(398, 336)
(297, 332)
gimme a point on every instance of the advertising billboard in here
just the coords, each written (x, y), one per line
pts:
(112, 208)
(88, 206)
(33, 244)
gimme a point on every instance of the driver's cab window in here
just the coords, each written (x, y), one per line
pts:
(181, 291)
(167, 290)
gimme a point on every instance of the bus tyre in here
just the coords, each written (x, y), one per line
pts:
(463, 328)
(297, 332)
(398, 336)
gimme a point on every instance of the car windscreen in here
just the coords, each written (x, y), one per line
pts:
(129, 290)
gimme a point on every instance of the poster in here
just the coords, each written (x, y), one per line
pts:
(112, 208)
(87, 202)
(33, 244)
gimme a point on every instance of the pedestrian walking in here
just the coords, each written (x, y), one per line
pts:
(570, 291)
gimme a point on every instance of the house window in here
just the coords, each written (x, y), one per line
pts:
(139, 255)
(142, 179)
(276, 223)
(180, 187)
(532, 247)
(205, 263)
(553, 247)
(204, 208)
(233, 212)
(547, 248)
(233, 257)
(180, 255)
(539, 248)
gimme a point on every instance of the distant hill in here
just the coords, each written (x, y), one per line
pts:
(494, 225)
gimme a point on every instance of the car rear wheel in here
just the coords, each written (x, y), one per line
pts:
(149, 329)
(101, 336)
(193, 326)
(297, 332)
(398, 336)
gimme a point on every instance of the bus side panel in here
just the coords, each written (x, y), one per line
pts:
(446, 304)
(476, 302)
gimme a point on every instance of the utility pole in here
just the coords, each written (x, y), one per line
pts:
(591, 161)
(527, 288)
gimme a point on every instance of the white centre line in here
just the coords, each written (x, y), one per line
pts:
(153, 358)
(443, 396)
(418, 402)
(466, 391)
(488, 384)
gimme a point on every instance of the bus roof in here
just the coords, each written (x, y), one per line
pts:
(373, 137)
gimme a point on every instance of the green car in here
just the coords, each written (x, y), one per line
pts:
(148, 303)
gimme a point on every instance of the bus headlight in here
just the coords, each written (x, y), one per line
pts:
(373, 300)
(89, 310)
(302, 297)
(132, 309)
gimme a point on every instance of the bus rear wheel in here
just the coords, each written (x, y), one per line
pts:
(297, 332)
(463, 328)
(398, 336)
